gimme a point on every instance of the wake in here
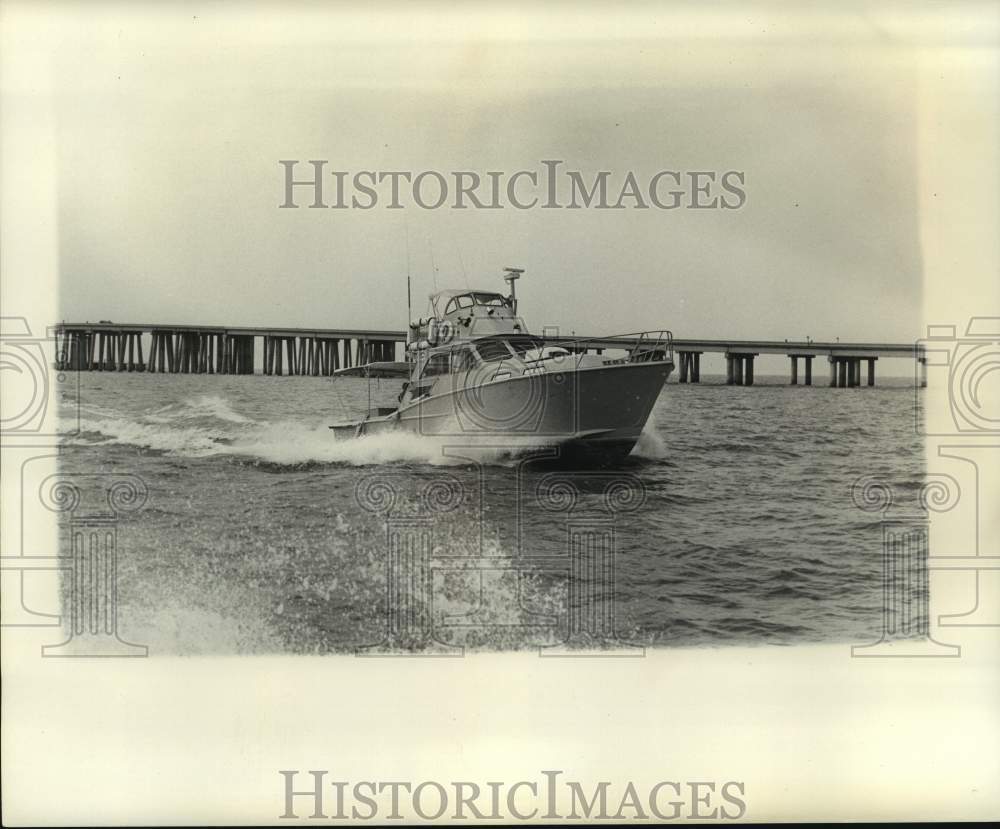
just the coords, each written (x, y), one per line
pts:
(208, 426)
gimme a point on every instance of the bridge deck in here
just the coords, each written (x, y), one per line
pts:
(798, 348)
(219, 349)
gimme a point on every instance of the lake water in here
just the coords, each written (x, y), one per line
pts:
(731, 523)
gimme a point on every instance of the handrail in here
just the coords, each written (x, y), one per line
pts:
(643, 349)
(499, 366)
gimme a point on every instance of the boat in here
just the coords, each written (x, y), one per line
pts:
(474, 372)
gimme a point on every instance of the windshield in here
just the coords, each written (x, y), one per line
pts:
(478, 298)
(491, 299)
(491, 350)
(523, 344)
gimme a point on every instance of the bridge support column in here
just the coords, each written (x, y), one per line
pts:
(748, 358)
(738, 369)
(809, 369)
(71, 348)
(795, 370)
(249, 343)
(834, 366)
(332, 357)
(730, 370)
(683, 376)
(696, 367)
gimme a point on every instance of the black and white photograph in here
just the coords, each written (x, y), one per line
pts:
(499, 413)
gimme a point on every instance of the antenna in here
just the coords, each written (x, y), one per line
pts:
(409, 300)
(512, 275)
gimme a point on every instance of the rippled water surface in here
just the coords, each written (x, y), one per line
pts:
(732, 521)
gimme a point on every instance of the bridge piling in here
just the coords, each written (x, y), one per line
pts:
(319, 353)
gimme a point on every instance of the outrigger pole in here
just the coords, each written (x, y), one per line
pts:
(409, 301)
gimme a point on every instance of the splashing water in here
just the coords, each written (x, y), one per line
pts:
(208, 426)
(254, 540)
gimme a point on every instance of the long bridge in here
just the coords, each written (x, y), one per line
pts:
(319, 352)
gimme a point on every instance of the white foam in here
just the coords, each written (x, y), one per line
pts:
(204, 406)
(191, 441)
(208, 425)
(296, 443)
(650, 445)
(183, 430)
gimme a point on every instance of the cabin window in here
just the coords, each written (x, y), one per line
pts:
(463, 360)
(520, 346)
(491, 350)
(438, 364)
(458, 302)
(492, 300)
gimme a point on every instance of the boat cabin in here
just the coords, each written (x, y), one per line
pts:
(466, 314)
(483, 360)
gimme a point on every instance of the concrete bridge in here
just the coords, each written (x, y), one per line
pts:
(208, 349)
(844, 359)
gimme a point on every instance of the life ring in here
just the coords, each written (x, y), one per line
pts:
(443, 332)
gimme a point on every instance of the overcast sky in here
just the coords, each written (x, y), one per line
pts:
(170, 126)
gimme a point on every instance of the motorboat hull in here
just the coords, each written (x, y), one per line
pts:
(591, 414)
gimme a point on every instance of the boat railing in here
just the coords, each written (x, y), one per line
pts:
(636, 347)
(639, 346)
